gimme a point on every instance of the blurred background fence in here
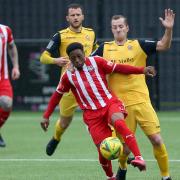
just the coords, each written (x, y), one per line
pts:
(35, 22)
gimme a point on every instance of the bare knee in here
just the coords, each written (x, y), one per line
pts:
(65, 121)
(6, 103)
(155, 139)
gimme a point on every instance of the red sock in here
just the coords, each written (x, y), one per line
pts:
(128, 136)
(106, 165)
(3, 116)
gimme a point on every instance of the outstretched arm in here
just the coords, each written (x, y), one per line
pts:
(127, 69)
(63, 86)
(108, 67)
(168, 23)
(54, 100)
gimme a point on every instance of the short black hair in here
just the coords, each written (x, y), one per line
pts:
(74, 6)
(74, 46)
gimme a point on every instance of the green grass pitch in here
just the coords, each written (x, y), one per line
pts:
(24, 157)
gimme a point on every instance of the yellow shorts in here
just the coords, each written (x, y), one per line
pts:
(144, 115)
(68, 104)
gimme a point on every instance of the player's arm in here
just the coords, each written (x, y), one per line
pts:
(54, 100)
(168, 23)
(52, 48)
(63, 86)
(108, 67)
(148, 46)
(13, 53)
(127, 69)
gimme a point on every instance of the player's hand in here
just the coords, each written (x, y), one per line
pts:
(44, 124)
(61, 61)
(15, 73)
(150, 71)
(168, 21)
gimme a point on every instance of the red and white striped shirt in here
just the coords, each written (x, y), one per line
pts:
(6, 38)
(89, 85)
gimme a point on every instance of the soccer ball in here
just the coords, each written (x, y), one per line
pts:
(110, 148)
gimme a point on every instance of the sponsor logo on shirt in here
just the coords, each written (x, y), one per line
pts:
(122, 61)
(70, 37)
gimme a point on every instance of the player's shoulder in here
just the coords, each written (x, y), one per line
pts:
(87, 29)
(109, 42)
(97, 58)
(63, 31)
(131, 41)
(4, 26)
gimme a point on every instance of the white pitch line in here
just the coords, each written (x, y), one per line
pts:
(69, 160)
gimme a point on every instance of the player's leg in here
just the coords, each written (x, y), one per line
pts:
(99, 130)
(5, 105)
(124, 158)
(116, 115)
(67, 107)
(149, 122)
(59, 130)
(122, 170)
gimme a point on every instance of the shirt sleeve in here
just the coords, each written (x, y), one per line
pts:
(10, 35)
(148, 46)
(53, 102)
(106, 66)
(127, 69)
(54, 43)
(64, 84)
(98, 51)
(62, 87)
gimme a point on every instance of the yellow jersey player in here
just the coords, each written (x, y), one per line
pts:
(133, 90)
(74, 33)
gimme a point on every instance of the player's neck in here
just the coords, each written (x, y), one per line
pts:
(78, 29)
(120, 42)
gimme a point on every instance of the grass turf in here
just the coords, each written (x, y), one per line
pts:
(24, 157)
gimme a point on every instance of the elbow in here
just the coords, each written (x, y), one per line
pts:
(167, 47)
(164, 47)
